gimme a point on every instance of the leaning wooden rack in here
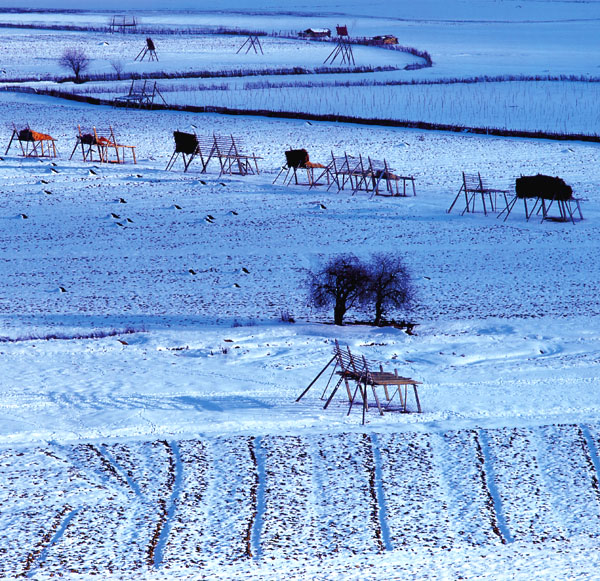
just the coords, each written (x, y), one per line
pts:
(358, 377)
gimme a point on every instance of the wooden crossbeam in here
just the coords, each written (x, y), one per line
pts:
(568, 210)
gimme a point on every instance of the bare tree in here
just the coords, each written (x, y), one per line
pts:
(118, 67)
(343, 281)
(75, 59)
(389, 284)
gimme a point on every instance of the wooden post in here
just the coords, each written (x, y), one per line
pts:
(329, 380)
(365, 404)
(315, 379)
(352, 400)
(11, 140)
(377, 400)
(385, 387)
(402, 402)
(417, 398)
(332, 394)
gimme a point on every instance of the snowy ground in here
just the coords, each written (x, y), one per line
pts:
(148, 424)
(466, 40)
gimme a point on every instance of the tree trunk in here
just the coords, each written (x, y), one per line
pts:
(378, 313)
(338, 314)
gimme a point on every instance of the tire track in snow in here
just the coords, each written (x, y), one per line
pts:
(488, 479)
(119, 470)
(111, 466)
(568, 476)
(317, 457)
(60, 523)
(80, 466)
(591, 454)
(377, 492)
(167, 506)
(444, 464)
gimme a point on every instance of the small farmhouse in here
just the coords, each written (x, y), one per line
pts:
(315, 33)
(384, 39)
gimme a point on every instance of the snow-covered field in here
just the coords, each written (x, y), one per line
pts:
(176, 54)
(148, 423)
(467, 40)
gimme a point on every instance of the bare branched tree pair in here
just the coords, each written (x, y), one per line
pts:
(346, 281)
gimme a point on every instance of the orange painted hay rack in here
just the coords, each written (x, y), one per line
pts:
(33, 143)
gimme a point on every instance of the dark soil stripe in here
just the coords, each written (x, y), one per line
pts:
(591, 454)
(248, 537)
(488, 481)
(156, 545)
(52, 536)
(259, 458)
(176, 472)
(370, 465)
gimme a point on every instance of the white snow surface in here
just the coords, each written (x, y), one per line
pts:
(148, 422)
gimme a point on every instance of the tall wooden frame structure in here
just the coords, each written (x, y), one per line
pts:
(33, 143)
(297, 160)
(186, 146)
(149, 50)
(226, 149)
(474, 189)
(102, 146)
(343, 48)
(543, 192)
(142, 94)
(251, 43)
(122, 22)
(355, 369)
(363, 173)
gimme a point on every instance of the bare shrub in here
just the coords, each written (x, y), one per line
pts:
(118, 67)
